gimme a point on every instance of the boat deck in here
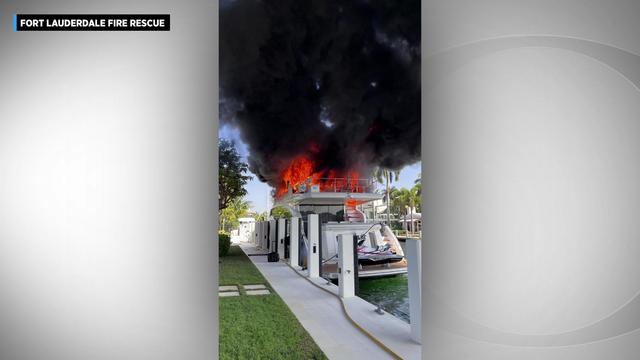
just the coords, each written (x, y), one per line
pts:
(321, 315)
(400, 267)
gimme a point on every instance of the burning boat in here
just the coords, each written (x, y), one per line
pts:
(345, 207)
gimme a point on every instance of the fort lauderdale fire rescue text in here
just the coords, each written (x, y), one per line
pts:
(92, 23)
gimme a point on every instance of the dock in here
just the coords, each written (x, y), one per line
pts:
(322, 315)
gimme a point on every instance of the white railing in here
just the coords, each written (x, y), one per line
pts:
(347, 185)
(336, 184)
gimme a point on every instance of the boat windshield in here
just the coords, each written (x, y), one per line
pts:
(379, 237)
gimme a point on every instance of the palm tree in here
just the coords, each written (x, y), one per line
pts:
(414, 202)
(263, 216)
(407, 199)
(400, 200)
(389, 176)
(417, 188)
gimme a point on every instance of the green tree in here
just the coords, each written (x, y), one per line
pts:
(280, 212)
(387, 176)
(263, 216)
(417, 189)
(408, 200)
(231, 174)
(224, 243)
(399, 200)
(395, 209)
(229, 216)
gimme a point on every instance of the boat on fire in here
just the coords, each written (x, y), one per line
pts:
(345, 207)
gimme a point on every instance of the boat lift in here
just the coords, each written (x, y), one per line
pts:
(285, 236)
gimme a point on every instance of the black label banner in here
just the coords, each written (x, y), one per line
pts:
(96, 22)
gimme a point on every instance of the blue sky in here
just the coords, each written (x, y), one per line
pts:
(258, 193)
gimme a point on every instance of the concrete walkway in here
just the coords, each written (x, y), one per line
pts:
(321, 315)
(393, 332)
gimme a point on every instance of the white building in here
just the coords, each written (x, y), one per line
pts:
(245, 229)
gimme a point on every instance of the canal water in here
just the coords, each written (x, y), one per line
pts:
(390, 292)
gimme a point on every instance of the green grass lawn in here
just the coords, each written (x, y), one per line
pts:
(258, 327)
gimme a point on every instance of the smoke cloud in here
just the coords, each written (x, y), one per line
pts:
(337, 81)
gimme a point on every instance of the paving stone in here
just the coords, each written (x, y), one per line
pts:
(228, 293)
(228, 288)
(254, 287)
(258, 292)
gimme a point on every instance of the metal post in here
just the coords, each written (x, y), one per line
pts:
(414, 271)
(313, 261)
(346, 268)
(271, 244)
(320, 256)
(274, 240)
(260, 234)
(294, 251)
(356, 266)
(287, 239)
(254, 233)
(300, 239)
(282, 227)
(265, 235)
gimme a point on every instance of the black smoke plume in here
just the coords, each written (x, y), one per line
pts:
(335, 80)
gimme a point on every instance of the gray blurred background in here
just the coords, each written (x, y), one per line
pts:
(108, 186)
(531, 172)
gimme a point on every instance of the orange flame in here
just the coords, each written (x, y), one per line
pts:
(303, 170)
